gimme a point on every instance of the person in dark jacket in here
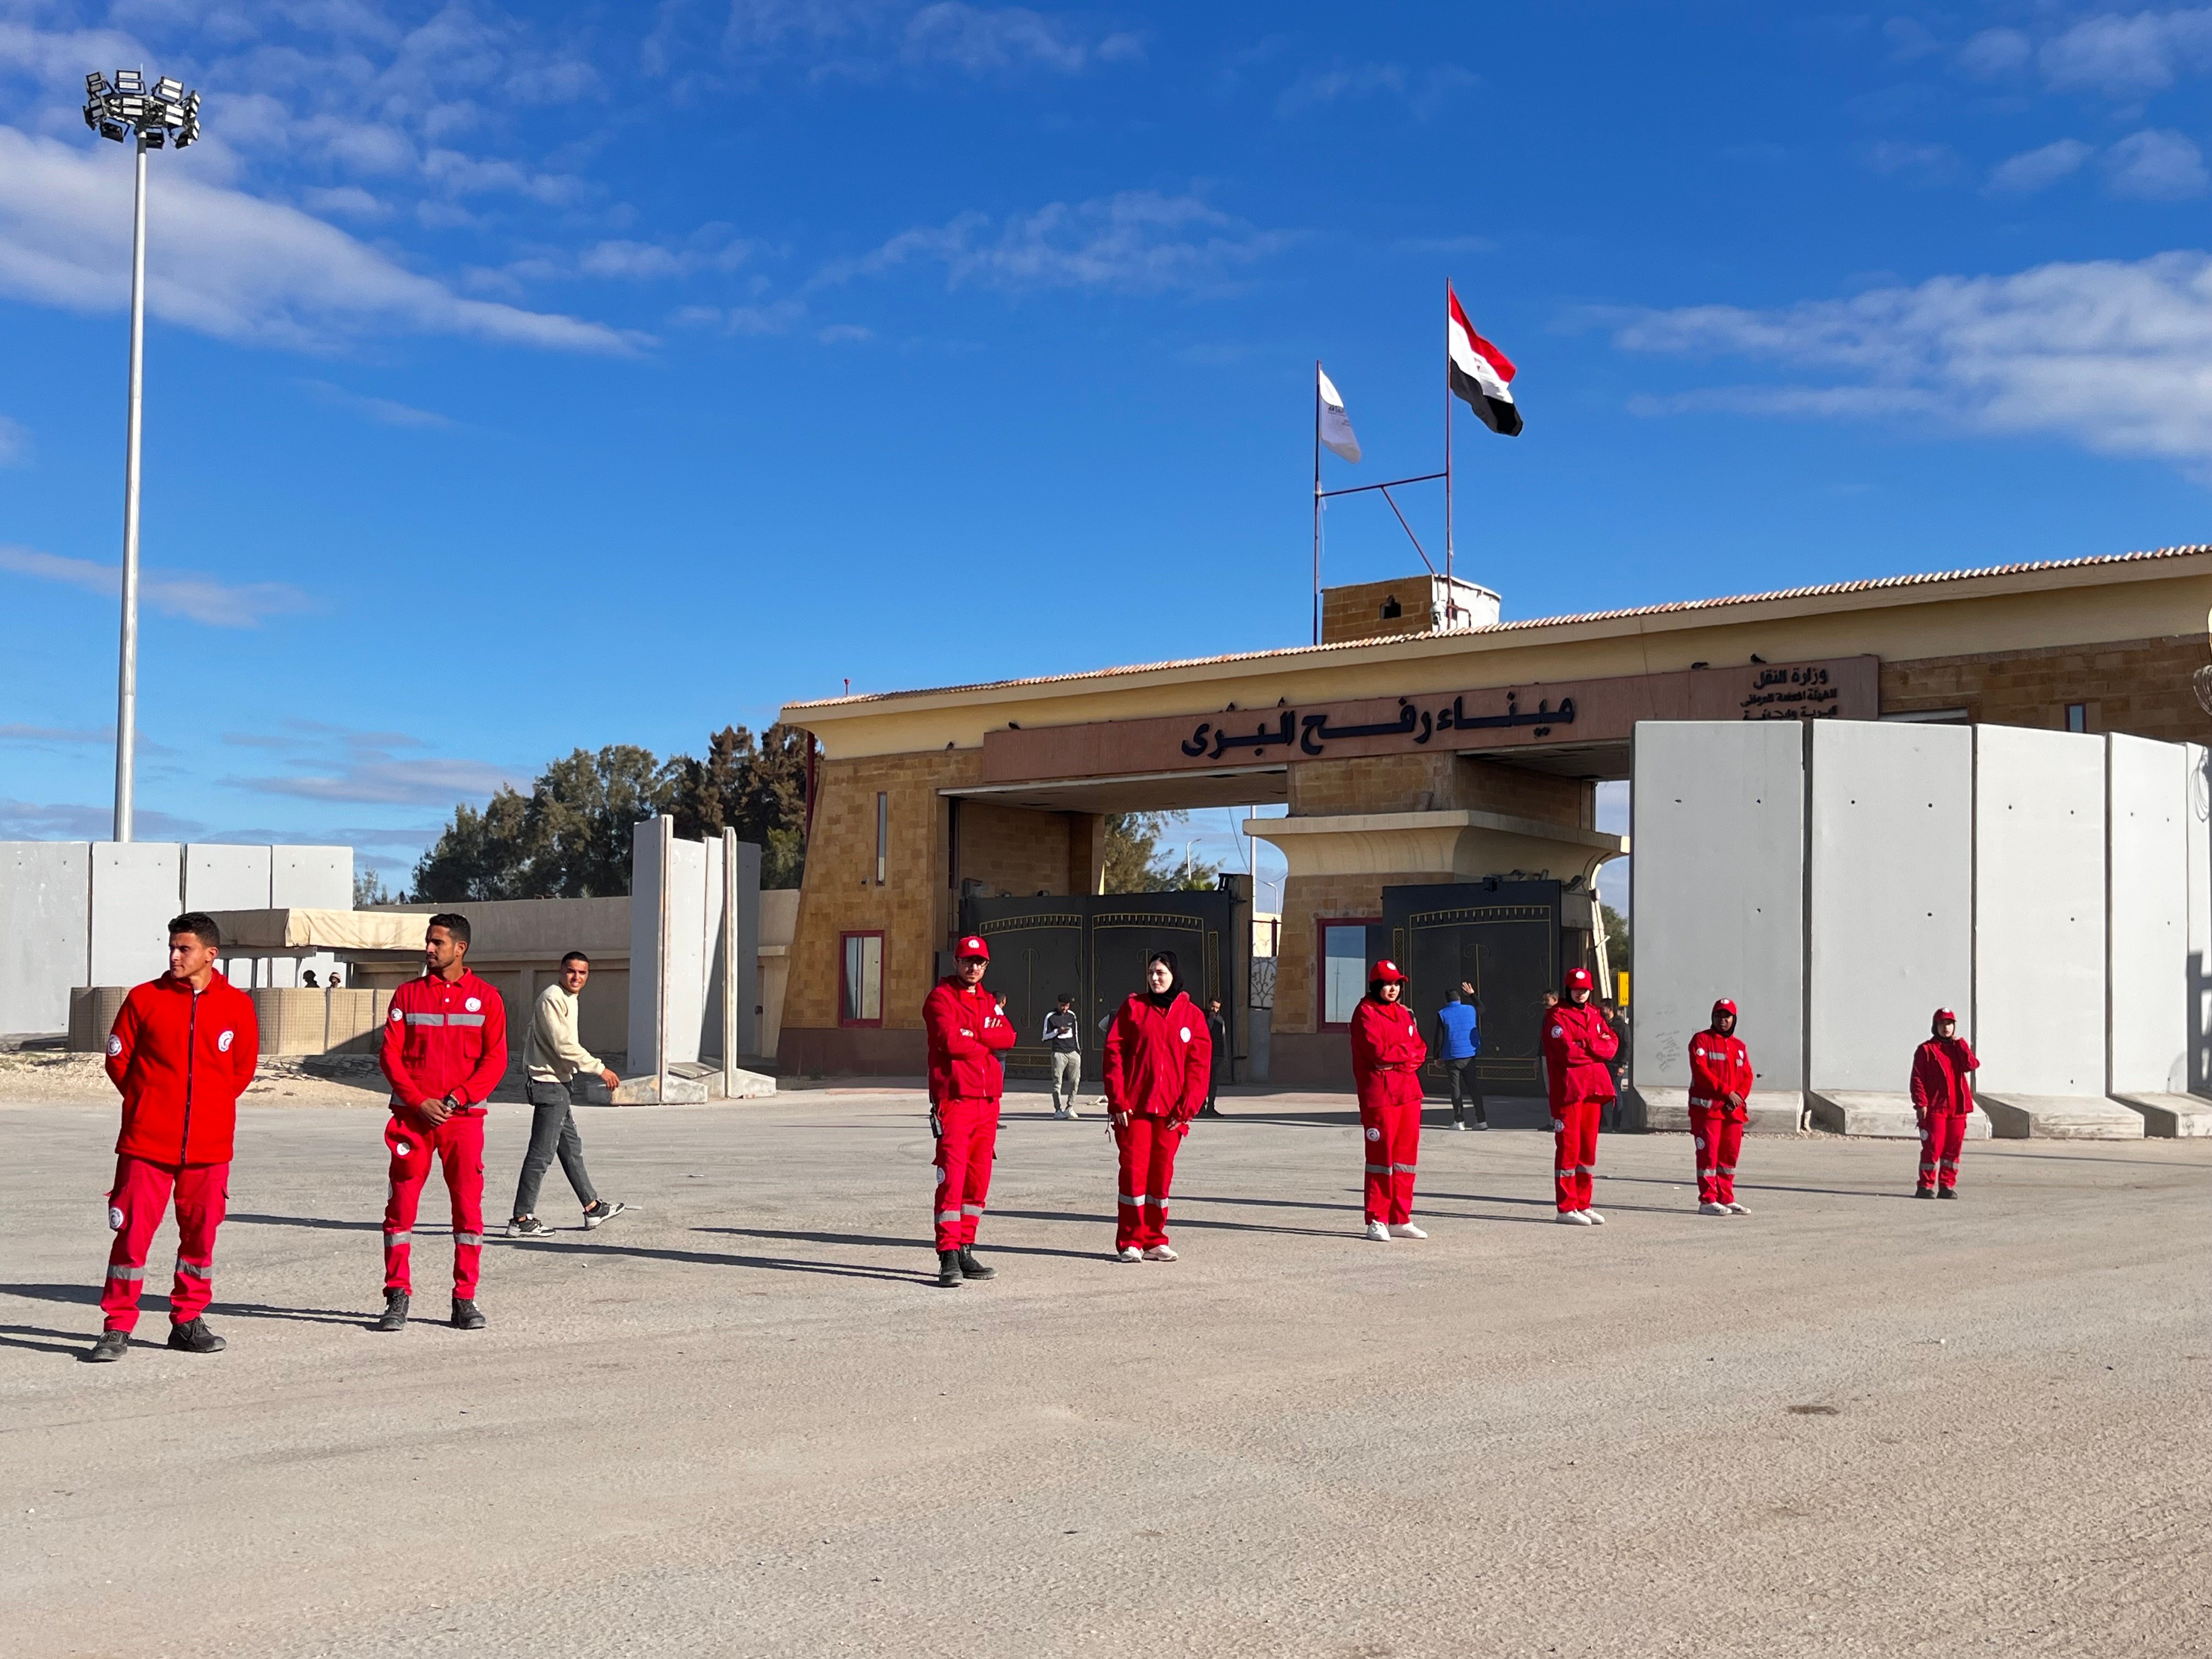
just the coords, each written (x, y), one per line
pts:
(1217, 1030)
(1459, 1040)
(182, 1051)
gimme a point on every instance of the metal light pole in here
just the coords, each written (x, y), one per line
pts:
(127, 113)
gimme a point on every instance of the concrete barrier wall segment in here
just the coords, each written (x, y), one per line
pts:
(2147, 867)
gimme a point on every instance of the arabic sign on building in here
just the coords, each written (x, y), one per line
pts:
(1497, 721)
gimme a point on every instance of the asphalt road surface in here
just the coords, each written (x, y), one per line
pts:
(742, 1420)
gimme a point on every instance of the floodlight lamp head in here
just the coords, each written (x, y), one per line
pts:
(167, 116)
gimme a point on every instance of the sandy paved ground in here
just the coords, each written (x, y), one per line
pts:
(736, 1422)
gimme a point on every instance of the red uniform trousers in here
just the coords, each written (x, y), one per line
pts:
(1942, 1134)
(1148, 1150)
(1394, 1147)
(1574, 1151)
(965, 1151)
(458, 1144)
(1717, 1132)
(135, 1210)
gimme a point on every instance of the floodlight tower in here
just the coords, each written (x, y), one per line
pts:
(128, 113)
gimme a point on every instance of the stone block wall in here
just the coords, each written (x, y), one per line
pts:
(2138, 686)
(1017, 851)
(1437, 782)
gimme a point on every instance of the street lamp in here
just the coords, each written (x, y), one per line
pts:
(128, 113)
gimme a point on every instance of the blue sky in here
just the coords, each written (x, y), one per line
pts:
(522, 379)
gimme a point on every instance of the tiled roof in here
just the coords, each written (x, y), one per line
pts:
(1675, 607)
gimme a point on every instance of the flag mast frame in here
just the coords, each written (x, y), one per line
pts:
(1451, 588)
(1317, 500)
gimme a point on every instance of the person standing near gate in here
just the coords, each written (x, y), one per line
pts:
(1159, 1059)
(1066, 1055)
(444, 1052)
(1386, 1052)
(1459, 1040)
(1579, 1051)
(181, 1050)
(969, 1036)
(1216, 1033)
(1944, 1070)
(552, 1060)
(1720, 1083)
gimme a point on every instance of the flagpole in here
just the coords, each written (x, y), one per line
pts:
(1316, 533)
(1451, 594)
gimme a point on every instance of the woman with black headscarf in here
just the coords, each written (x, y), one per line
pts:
(1158, 1056)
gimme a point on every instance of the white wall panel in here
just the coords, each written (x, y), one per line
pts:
(1889, 896)
(2197, 829)
(311, 878)
(2146, 819)
(2038, 1016)
(219, 877)
(46, 909)
(1719, 839)
(137, 887)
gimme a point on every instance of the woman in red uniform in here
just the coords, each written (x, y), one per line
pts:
(1387, 1052)
(1720, 1080)
(1159, 1057)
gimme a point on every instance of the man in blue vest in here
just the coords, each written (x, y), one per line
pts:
(1459, 1040)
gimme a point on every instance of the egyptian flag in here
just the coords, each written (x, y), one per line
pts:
(1480, 372)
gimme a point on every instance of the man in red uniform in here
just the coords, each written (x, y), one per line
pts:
(1578, 1050)
(1159, 1064)
(1944, 1070)
(967, 1035)
(445, 1050)
(1720, 1082)
(1386, 1052)
(181, 1051)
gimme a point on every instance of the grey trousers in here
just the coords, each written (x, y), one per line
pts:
(1067, 1072)
(552, 1129)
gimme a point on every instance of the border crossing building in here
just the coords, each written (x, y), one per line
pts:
(1424, 743)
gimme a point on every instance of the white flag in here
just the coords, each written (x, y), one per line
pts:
(1335, 425)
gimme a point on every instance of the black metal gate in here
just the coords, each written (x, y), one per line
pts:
(1501, 937)
(1093, 949)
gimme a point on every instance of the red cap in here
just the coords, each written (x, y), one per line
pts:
(1389, 972)
(972, 946)
(1578, 979)
(1941, 1015)
(1724, 1006)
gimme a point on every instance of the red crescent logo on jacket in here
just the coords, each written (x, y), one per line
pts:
(115, 1045)
(1186, 1034)
(222, 1043)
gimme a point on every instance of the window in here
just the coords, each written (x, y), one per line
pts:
(1343, 969)
(2077, 717)
(883, 836)
(863, 1000)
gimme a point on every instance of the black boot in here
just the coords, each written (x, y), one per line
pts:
(194, 1337)
(971, 1268)
(466, 1316)
(111, 1346)
(1948, 1192)
(394, 1317)
(1923, 1192)
(948, 1269)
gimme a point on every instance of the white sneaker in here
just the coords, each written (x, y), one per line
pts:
(1574, 1218)
(1713, 1209)
(1594, 1218)
(1160, 1253)
(1405, 1229)
(1129, 1253)
(1378, 1232)
(1736, 1208)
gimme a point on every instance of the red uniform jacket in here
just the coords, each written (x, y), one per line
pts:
(1387, 1052)
(181, 1061)
(1577, 1044)
(1942, 1079)
(442, 1038)
(967, 1034)
(1719, 1066)
(1157, 1060)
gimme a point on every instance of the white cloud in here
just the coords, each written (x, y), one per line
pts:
(2157, 167)
(2129, 57)
(1929, 163)
(382, 411)
(1136, 242)
(350, 200)
(199, 598)
(1997, 52)
(2115, 356)
(868, 38)
(1005, 39)
(2034, 169)
(24, 820)
(227, 263)
(337, 763)
(15, 442)
(1424, 94)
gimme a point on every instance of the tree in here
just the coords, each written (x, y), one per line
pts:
(369, 889)
(1618, 945)
(1135, 864)
(756, 788)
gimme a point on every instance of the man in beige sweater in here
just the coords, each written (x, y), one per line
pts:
(555, 1058)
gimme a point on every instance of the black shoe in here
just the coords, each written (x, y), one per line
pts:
(948, 1269)
(602, 1211)
(394, 1317)
(113, 1344)
(466, 1316)
(1209, 1111)
(971, 1268)
(194, 1337)
(1482, 1123)
(1923, 1192)
(1948, 1192)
